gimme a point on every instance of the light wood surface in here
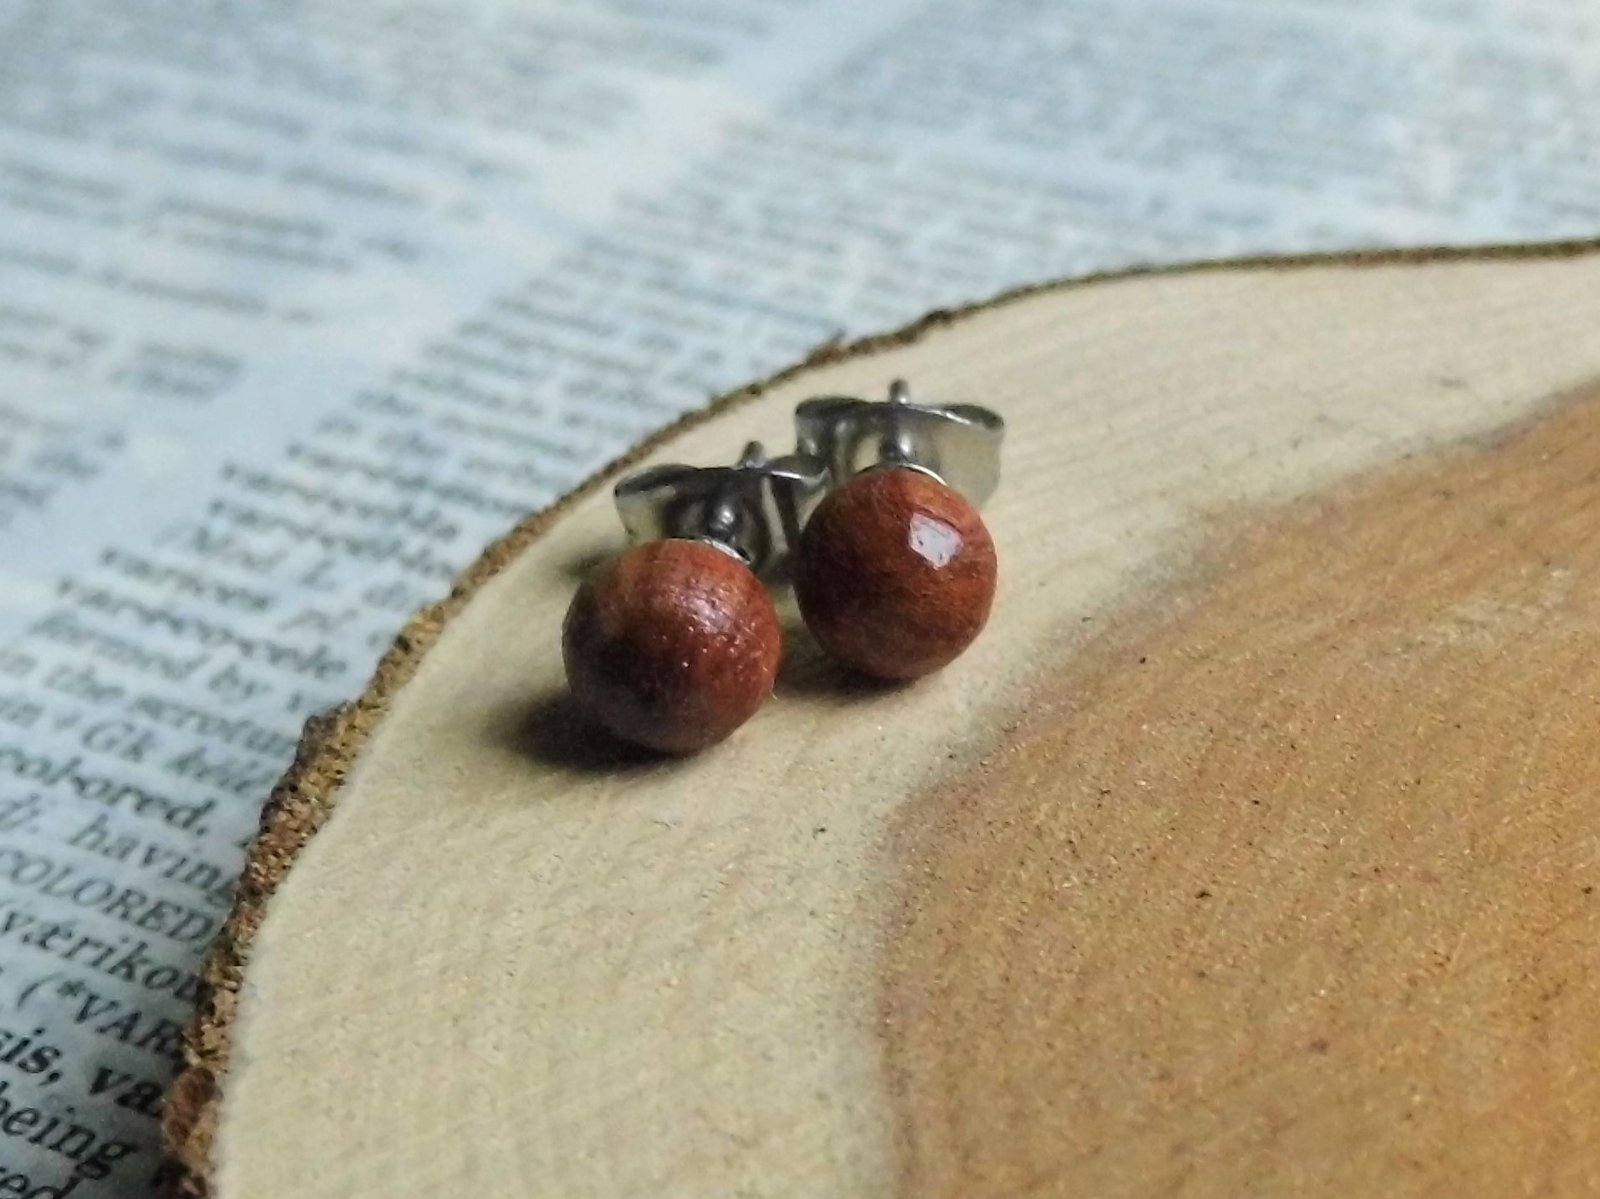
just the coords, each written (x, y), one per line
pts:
(1251, 850)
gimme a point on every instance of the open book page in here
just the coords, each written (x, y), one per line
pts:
(301, 303)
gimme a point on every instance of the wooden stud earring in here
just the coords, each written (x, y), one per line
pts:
(675, 643)
(895, 572)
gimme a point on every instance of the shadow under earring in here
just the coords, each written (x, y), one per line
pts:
(895, 573)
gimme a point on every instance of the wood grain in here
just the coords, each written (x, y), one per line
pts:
(949, 939)
(1288, 886)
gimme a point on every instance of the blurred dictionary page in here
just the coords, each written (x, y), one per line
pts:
(302, 302)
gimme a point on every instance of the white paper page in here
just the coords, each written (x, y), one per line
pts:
(301, 303)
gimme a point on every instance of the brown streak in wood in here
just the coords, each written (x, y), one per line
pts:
(1285, 886)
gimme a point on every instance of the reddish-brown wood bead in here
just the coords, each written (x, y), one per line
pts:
(672, 645)
(895, 573)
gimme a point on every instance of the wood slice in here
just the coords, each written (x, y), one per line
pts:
(1251, 850)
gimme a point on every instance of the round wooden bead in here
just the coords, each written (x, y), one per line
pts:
(895, 573)
(672, 645)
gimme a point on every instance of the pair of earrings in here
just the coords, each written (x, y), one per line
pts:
(676, 643)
